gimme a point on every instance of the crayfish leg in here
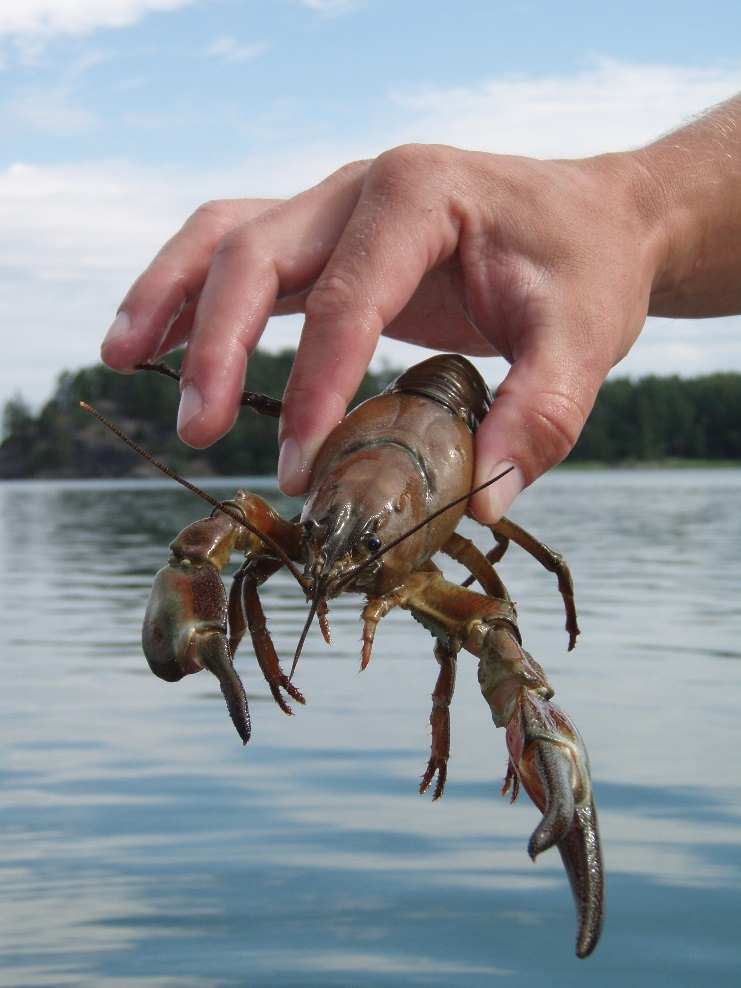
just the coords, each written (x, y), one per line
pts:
(511, 781)
(322, 613)
(440, 721)
(374, 610)
(504, 531)
(262, 642)
(478, 565)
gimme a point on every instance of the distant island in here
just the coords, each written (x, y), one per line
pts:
(653, 419)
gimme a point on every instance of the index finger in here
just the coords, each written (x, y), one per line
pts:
(172, 281)
(390, 242)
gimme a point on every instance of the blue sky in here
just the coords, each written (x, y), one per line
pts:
(118, 117)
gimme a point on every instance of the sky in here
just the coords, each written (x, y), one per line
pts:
(119, 117)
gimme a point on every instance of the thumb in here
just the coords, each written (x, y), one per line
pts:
(534, 422)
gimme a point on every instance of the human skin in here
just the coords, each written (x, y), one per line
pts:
(554, 265)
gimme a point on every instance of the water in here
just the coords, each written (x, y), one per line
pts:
(142, 845)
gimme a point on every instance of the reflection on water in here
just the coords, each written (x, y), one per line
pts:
(143, 846)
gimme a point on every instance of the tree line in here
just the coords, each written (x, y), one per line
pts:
(652, 419)
(65, 441)
(656, 418)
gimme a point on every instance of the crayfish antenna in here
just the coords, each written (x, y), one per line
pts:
(318, 606)
(304, 633)
(227, 508)
(263, 404)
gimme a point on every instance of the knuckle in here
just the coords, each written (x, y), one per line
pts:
(352, 171)
(222, 219)
(332, 294)
(212, 213)
(407, 157)
(339, 302)
(558, 420)
(410, 169)
(240, 245)
(549, 425)
(230, 242)
(307, 390)
(395, 171)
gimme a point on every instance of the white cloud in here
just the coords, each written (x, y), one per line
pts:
(687, 347)
(45, 111)
(230, 50)
(606, 107)
(47, 17)
(73, 237)
(332, 8)
(100, 214)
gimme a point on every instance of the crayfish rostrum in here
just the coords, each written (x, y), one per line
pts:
(388, 490)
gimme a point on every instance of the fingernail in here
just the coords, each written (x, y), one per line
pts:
(191, 404)
(119, 327)
(289, 462)
(502, 493)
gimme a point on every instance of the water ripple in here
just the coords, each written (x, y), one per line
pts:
(143, 846)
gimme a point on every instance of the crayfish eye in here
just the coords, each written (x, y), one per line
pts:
(309, 525)
(373, 543)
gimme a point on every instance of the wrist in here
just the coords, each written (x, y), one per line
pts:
(636, 207)
(688, 186)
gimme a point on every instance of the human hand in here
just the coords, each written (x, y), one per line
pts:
(549, 264)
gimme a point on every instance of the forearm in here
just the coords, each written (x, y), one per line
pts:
(690, 190)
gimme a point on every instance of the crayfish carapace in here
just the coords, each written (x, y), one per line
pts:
(388, 490)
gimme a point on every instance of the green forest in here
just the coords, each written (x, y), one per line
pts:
(655, 419)
(650, 420)
(64, 441)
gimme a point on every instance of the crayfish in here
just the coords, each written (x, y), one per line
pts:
(388, 490)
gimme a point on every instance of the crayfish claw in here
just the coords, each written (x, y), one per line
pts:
(582, 858)
(214, 655)
(548, 758)
(184, 631)
(554, 768)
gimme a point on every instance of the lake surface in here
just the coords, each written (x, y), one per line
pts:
(143, 847)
